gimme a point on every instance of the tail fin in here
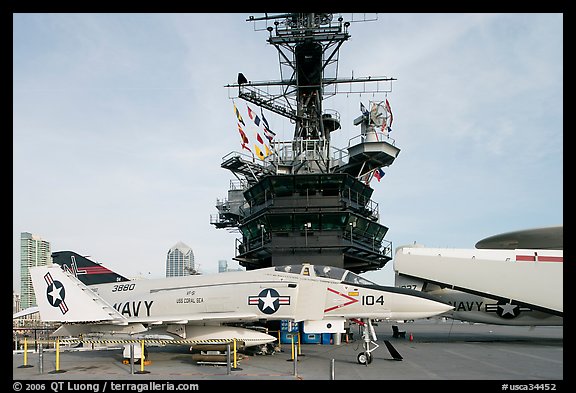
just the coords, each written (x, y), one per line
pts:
(87, 271)
(61, 297)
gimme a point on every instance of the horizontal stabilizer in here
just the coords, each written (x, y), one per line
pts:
(25, 312)
(219, 317)
(61, 297)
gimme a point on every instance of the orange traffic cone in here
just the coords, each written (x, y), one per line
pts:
(411, 337)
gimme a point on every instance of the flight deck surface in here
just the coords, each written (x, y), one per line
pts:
(449, 350)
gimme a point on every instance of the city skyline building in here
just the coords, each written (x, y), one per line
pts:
(180, 261)
(222, 266)
(34, 251)
(15, 302)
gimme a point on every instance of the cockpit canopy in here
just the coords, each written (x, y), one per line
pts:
(334, 273)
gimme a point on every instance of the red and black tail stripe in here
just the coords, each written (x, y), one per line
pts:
(87, 271)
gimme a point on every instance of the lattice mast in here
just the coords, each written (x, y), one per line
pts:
(303, 200)
(308, 47)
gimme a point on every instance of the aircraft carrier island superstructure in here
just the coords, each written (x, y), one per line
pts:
(303, 200)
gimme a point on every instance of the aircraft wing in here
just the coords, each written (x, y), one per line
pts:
(532, 278)
(199, 317)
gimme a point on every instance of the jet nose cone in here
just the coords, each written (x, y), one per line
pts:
(436, 307)
(445, 307)
(426, 308)
(413, 304)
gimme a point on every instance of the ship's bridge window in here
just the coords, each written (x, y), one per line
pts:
(333, 221)
(307, 184)
(282, 185)
(354, 279)
(329, 272)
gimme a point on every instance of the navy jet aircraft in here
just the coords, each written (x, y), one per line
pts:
(210, 307)
(513, 278)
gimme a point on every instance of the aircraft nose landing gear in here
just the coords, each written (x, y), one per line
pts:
(365, 358)
(369, 337)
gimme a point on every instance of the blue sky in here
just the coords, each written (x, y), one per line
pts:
(120, 123)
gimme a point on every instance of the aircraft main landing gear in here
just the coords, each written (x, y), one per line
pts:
(369, 337)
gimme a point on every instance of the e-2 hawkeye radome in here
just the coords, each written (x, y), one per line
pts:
(202, 307)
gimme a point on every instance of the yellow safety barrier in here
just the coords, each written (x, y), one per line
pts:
(142, 360)
(58, 341)
(57, 354)
(66, 341)
(57, 359)
(299, 348)
(25, 365)
(235, 364)
(280, 341)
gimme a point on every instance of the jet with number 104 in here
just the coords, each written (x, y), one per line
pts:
(211, 307)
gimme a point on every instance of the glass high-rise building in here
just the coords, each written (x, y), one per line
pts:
(180, 261)
(222, 266)
(33, 252)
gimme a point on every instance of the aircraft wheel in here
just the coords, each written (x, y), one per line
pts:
(364, 358)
